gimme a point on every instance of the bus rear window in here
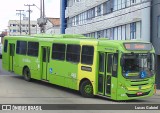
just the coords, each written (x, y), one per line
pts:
(21, 47)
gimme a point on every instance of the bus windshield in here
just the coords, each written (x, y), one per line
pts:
(137, 65)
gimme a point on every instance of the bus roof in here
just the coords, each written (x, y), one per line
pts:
(74, 39)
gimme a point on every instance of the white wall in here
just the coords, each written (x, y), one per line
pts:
(139, 12)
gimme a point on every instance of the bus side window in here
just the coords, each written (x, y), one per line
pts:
(73, 53)
(5, 45)
(58, 51)
(21, 47)
(87, 55)
(115, 65)
(33, 48)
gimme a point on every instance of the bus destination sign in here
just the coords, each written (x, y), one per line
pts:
(138, 46)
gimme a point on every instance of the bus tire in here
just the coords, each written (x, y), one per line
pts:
(27, 74)
(86, 89)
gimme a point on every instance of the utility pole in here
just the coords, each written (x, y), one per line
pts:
(20, 19)
(42, 20)
(29, 16)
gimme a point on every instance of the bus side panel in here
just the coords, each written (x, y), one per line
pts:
(34, 66)
(63, 73)
(19, 64)
(22, 61)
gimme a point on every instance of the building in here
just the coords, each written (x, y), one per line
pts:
(15, 29)
(113, 19)
(155, 36)
(53, 26)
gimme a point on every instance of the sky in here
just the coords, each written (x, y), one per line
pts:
(8, 10)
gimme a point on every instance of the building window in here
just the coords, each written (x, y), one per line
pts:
(158, 26)
(119, 4)
(33, 48)
(73, 53)
(119, 32)
(58, 51)
(128, 3)
(115, 5)
(14, 30)
(99, 10)
(138, 30)
(90, 13)
(100, 34)
(124, 3)
(33, 25)
(108, 7)
(123, 32)
(14, 24)
(133, 30)
(115, 30)
(77, 20)
(87, 55)
(73, 21)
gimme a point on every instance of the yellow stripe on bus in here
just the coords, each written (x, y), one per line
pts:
(137, 88)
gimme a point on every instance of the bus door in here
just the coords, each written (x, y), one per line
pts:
(11, 56)
(106, 76)
(45, 61)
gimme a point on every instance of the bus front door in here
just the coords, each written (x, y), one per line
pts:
(105, 77)
(11, 56)
(45, 61)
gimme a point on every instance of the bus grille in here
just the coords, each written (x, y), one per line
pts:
(135, 95)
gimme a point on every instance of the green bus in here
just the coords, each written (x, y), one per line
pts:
(119, 70)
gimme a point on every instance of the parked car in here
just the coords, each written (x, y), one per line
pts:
(0, 50)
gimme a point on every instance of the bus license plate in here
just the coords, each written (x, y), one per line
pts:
(139, 93)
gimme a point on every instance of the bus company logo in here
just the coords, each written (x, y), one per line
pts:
(6, 107)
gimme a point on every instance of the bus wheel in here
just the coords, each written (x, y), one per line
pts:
(27, 74)
(86, 89)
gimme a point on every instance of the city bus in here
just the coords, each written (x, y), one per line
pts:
(114, 69)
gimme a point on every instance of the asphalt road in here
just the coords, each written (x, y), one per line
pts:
(15, 90)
